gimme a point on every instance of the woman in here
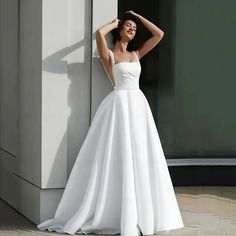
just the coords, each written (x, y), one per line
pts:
(124, 39)
(120, 182)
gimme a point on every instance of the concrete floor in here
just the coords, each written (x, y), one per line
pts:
(206, 211)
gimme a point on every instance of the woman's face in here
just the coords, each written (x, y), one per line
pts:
(128, 30)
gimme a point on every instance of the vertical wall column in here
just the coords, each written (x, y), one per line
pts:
(9, 143)
(61, 82)
(87, 83)
(55, 87)
(66, 78)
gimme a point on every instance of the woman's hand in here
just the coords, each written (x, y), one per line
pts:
(116, 22)
(132, 12)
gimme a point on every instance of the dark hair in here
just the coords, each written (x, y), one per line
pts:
(136, 42)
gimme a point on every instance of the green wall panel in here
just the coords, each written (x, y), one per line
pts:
(204, 78)
(189, 79)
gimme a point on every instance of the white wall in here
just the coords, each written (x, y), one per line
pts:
(9, 116)
(48, 102)
(66, 94)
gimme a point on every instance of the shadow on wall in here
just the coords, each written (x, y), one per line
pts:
(79, 96)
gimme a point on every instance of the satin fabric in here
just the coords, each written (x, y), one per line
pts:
(120, 183)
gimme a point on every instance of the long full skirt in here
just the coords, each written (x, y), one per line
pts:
(120, 183)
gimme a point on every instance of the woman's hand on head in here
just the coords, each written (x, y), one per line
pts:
(132, 12)
(116, 22)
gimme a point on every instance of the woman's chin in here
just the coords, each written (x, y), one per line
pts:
(129, 38)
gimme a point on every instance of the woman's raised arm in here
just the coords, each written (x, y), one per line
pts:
(101, 41)
(157, 35)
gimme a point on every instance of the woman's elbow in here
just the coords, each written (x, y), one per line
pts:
(98, 33)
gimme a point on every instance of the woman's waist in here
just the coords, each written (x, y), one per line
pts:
(126, 87)
(126, 84)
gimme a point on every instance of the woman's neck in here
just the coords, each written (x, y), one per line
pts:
(121, 46)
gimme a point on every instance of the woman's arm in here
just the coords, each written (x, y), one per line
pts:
(103, 50)
(157, 35)
(101, 41)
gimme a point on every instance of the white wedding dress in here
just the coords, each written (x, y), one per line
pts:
(120, 183)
